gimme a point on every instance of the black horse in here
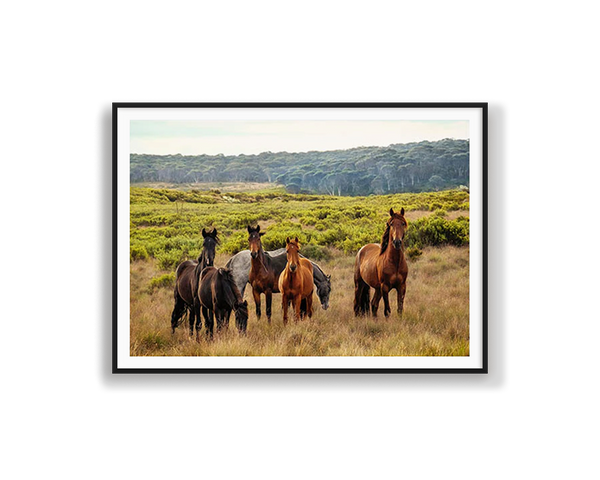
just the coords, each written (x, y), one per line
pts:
(218, 294)
(186, 283)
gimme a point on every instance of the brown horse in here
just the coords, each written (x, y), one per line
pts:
(218, 294)
(382, 267)
(296, 281)
(263, 277)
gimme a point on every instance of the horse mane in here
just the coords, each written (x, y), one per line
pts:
(232, 293)
(202, 259)
(385, 240)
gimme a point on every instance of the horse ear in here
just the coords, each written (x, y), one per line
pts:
(296, 239)
(249, 229)
(214, 232)
(391, 212)
(204, 232)
(258, 228)
(402, 211)
(287, 240)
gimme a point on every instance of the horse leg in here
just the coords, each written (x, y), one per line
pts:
(297, 302)
(192, 318)
(401, 293)
(195, 318)
(284, 306)
(198, 315)
(219, 317)
(309, 308)
(256, 296)
(269, 300)
(208, 322)
(385, 292)
(375, 301)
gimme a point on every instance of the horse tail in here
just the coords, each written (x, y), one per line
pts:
(179, 310)
(361, 297)
(361, 291)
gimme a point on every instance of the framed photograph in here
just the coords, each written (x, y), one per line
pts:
(300, 238)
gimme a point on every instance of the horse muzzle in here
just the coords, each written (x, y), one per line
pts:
(254, 254)
(293, 267)
(397, 244)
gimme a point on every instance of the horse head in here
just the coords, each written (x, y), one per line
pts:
(254, 235)
(209, 247)
(241, 316)
(292, 247)
(395, 230)
(323, 291)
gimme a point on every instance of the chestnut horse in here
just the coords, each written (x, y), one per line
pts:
(263, 276)
(296, 281)
(382, 267)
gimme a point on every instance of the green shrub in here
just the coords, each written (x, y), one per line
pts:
(166, 280)
(322, 213)
(315, 252)
(170, 235)
(438, 231)
(414, 252)
(234, 243)
(170, 259)
(277, 234)
(138, 252)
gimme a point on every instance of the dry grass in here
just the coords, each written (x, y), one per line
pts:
(435, 320)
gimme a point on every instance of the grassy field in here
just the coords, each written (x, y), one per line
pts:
(435, 320)
(165, 226)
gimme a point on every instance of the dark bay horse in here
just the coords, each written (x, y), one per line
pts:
(218, 294)
(263, 276)
(382, 267)
(296, 281)
(186, 283)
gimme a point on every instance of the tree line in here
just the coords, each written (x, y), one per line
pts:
(409, 167)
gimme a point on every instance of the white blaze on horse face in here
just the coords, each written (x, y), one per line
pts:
(255, 245)
(292, 255)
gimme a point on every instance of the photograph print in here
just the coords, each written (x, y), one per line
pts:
(299, 238)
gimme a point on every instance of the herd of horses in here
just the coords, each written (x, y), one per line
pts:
(203, 290)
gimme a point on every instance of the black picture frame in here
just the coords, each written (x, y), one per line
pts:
(471, 374)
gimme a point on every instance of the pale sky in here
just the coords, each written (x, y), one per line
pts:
(232, 137)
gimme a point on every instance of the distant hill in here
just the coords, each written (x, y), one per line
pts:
(409, 167)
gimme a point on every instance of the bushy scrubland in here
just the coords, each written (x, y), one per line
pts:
(166, 223)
